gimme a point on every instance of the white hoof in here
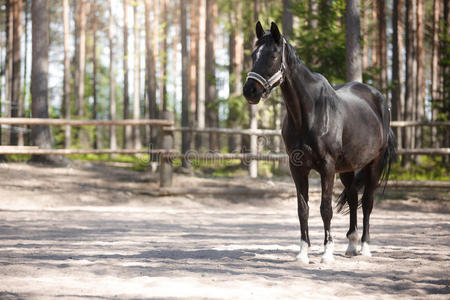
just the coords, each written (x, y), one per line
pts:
(328, 256)
(303, 254)
(352, 243)
(365, 250)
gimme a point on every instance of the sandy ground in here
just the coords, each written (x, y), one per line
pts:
(92, 232)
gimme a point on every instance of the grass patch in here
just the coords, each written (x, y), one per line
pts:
(429, 168)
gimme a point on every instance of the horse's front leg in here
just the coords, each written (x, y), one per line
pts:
(326, 209)
(300, 176)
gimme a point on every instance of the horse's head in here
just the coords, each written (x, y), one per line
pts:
(267, 70)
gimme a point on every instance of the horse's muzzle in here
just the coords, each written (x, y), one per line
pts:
(252, 91)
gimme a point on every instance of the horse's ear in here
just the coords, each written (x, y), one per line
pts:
(259, 30)
(275, 32)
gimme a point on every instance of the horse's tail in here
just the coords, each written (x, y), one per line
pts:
(389, 157)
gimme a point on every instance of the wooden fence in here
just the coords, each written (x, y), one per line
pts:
(167, 153)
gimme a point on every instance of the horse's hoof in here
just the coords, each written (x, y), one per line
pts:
(351, 251)
(303, 258)
(365, 250)
(303, 254)
(327, 258)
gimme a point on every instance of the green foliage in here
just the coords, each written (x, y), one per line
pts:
(237, 110)
(428, 169)
(322, 45)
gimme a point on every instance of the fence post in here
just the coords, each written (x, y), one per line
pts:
(253, 166)
(165, 167)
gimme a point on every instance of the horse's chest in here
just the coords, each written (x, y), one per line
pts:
(300, 152)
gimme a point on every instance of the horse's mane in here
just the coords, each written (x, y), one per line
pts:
(328, 93)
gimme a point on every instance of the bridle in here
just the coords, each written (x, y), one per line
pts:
(269, 84)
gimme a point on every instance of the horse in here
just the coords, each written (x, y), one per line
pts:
(343, 129)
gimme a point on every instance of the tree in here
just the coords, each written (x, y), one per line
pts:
(112, 82)
(16, 102)
(397, 59)
(137, 79)
(66, 82)
(201, 120)
(435, 72)
(210, 69)
(236, 55)
(381, 46)
(420, 79)
(352, 41)
(127, 133)
(94, 70)
(40, 135)
(185, 137)
(411, 70)
(150, 70)
(164, 56)
(8, 63)
(193, 40)
(81, 60)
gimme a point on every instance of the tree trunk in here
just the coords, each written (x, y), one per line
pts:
(81, 58)
(193, 38)
(352, 41)
(445, 71)
(287, 18)
(94, 72)
(374, 35)
(410, 88)
(137, 79)
(8, 66)
(200, 143)
(185, 113)
(420, 84)
(40, 135)
(25, 90)
(235, 73)
(435, 78)
(381, 49)
(127, 133)
(16, 109)
(365, 36)
(66, 82)
(397, 70)
(164, 57)
(155, 48)
(112, 82)
(210, 69)
(150, 71)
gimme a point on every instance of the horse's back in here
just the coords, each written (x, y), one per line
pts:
(357, 93)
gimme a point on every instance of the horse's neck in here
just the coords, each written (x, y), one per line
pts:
(298, 91)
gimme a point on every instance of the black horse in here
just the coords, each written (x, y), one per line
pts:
(342, 130)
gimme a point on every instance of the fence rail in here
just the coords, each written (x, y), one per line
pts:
(167, 153)
(6, 150)
(64, 122)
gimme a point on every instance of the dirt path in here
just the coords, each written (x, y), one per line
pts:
(77, 233)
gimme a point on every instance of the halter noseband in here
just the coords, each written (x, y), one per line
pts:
(270, 83)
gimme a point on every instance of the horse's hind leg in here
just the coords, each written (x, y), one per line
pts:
(372, 177)
(351, 194)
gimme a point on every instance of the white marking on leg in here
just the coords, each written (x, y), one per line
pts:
(303, 254)
(365, 250)
(327, 256)
(352, 244)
